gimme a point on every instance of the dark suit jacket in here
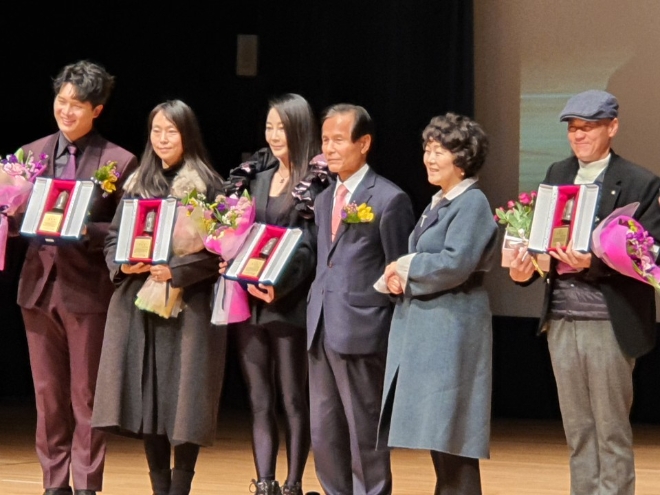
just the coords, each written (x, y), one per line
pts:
(357, 318)
(293, 285)
(631, 303)
(80, 266)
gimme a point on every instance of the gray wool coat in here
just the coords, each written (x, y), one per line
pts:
(437, 392)
(177, 392)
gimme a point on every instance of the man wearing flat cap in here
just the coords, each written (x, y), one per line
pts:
(598, 321)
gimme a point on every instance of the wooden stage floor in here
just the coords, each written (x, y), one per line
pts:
(527, 458)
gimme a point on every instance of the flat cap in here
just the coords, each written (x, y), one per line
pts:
(590, 105)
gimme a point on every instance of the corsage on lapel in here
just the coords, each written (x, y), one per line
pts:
(352, 213)
(106, 177)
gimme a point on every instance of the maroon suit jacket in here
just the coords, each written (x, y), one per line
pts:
(81, 271)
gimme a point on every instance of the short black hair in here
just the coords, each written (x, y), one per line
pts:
(92, 82)
(461, 136)
(362, 123)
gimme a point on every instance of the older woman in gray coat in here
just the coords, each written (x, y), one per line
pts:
(437, 390)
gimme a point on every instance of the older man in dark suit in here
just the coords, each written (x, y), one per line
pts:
(347, 320)
(598, 321)
(64, 291)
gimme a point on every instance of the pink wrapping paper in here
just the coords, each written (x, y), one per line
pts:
(231, 303)
(4, 233)
(14, 193)
(609, 243)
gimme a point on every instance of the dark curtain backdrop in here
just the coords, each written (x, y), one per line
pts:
(403, 61)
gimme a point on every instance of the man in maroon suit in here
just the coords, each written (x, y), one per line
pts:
(64, 290)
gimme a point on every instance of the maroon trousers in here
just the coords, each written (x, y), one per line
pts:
(65, 349)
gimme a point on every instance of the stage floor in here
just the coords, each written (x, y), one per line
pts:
(527, 458)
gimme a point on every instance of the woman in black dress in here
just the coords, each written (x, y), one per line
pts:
(272, 344)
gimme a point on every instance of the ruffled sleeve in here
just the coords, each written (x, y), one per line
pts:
(305, 192)
(240, 177)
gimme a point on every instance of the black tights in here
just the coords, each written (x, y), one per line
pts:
(456, 475)
(275, 356)
(158, 450)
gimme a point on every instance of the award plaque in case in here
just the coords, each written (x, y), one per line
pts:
(264, 254)
(563, 213)
(57, 209)
(145, 232)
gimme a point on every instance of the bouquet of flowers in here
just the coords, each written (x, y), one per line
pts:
(517, 219)
(352, 213)
(623, 244)
(106, 177)
(17, 176)
(224, 225)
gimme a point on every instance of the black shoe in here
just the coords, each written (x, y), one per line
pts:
(58, 491)
(265, 487)
(292, 489)
(181, 482)
(161, 480)
(84, 492)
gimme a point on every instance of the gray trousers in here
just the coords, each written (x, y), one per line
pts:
(345, 392)
(594, 383)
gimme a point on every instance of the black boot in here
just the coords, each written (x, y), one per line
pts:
(181, 481)
(266, 487)
(292, 489)
(160, 481)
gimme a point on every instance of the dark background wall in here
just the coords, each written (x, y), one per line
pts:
(403, 61)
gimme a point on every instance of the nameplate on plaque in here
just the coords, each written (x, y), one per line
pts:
(51, 222)
(559, 236)
(142, 247)
(253, 267)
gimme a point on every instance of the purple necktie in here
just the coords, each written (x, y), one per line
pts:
(69, 171)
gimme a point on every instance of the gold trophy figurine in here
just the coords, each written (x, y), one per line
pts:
(52, 220)
(143, 243)
(560, 234)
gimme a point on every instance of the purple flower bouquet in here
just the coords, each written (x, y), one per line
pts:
(623, 244)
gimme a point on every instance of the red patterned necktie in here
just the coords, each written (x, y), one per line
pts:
(340, 202)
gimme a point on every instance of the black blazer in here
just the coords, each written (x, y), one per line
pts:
(291, 289)
(631, 303)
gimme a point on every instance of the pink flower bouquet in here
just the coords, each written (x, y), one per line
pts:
(224, 225)
(517, 219)
(623, 244)
(17, 176)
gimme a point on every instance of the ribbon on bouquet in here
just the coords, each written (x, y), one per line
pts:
(230, 302)
(4, 233)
